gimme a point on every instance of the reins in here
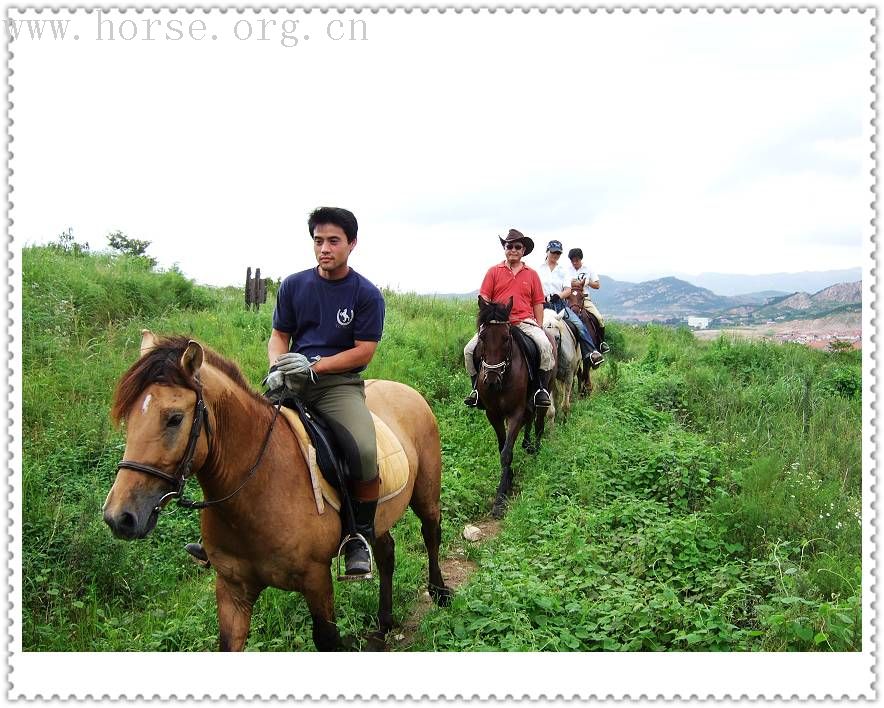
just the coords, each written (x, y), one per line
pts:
(183, 470)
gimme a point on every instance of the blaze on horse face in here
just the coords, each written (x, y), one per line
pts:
(157, 432)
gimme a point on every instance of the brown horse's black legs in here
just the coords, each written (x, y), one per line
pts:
(320, 600)
(325, 634)
(385, 557)
(235, 604)
(431, 530)
(505, 488)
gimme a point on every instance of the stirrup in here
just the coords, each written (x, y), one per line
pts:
(534, 400)
(342, 575)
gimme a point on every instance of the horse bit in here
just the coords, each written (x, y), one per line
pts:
(502, 366)
(183, 471)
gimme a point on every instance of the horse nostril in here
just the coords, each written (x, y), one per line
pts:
(127, 522)
(123, 524)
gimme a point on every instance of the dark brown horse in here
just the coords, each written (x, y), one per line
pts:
(190, 411)
(503, 385)
(595, 330)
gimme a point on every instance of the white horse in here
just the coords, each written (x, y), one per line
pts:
(569, 360)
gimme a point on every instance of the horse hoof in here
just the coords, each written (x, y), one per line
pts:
(348, 643)
(441, 596)
(376, 641)
(531, 449)
(499, 509)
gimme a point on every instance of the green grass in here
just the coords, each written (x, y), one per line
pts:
(706, 497)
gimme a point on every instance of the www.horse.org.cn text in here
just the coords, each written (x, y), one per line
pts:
(125, 28)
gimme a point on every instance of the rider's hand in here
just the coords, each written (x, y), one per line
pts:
(292, 371)
(274, 380)
(296, 370)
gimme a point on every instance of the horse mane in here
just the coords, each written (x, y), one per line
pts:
(162, 365)
(491, 312)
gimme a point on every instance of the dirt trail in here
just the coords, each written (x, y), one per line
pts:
(457, 570)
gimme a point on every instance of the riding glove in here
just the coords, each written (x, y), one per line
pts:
(291, 370)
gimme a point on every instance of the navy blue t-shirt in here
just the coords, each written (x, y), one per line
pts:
(325, 317)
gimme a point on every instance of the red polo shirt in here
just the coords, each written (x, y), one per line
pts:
(524, 287)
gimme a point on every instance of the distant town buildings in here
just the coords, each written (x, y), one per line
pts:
(698, 322)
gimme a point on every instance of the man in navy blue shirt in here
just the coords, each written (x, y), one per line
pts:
(326, 327)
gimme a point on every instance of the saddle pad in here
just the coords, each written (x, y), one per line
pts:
(392, 462)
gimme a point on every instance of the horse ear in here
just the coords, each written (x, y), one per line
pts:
(192, 359)
(509, 304)
(148, 341)
(482, 303)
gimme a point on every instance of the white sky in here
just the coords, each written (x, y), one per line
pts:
(658, 143)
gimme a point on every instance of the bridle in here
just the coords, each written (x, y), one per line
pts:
(183, 470)
(501, 367)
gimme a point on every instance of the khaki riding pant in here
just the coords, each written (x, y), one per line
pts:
(529, 327)
(340, 400)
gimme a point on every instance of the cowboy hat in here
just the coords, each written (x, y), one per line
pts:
(514, 235)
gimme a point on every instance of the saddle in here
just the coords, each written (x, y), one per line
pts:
(531, 352)
(327, 466)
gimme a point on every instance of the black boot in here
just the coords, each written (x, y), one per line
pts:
(541, 396)
(357, 554)
(603, 347)
(198, 553)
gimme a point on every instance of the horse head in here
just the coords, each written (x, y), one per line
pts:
(160, 400)
(495, 340)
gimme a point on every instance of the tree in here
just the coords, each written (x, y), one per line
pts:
(839, 346)
(67, 244)
(127, 246)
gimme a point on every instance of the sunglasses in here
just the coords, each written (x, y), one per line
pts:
(514, 246)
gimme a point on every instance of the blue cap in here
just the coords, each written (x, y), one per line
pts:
(554, 247)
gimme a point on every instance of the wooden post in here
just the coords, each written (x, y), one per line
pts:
(256, 288)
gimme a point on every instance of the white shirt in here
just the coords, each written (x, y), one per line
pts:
(553, 281)
(588, 274)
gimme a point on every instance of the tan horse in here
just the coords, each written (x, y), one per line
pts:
(568, 362)
(178, 401)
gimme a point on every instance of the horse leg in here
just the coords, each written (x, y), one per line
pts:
(385, 556)
(235, 602)
(497, 422)
(425, 504)
(583, 379)
(505, 488)
(539, 424)
(526, 438)
(431, 530)
(320, 601)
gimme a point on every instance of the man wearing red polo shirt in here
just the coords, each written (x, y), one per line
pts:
(514, 278)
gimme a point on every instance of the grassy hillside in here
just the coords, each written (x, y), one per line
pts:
(706, 497)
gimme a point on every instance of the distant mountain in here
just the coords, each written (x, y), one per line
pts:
(807, 281)
(659, 299)
(672, 299)
(842, 296)
(759, 298)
